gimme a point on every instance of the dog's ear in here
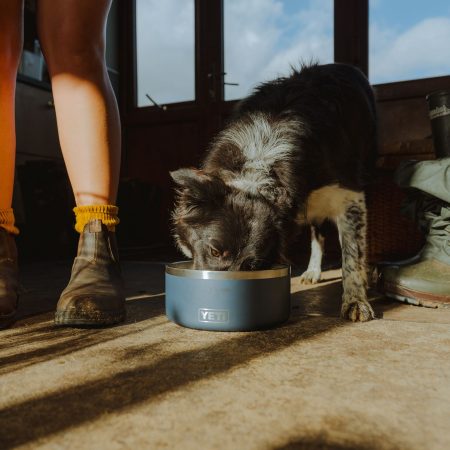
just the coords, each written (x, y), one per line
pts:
(199, 187)
(185, 177)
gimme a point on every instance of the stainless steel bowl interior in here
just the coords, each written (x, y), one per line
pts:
(184, 269)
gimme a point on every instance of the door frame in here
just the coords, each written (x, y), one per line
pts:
(208, 71)
(351, 40)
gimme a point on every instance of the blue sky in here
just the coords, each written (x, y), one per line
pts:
(402, 14)
(408, 39)
(263, 38)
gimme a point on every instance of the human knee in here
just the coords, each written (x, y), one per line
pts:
(73, 52)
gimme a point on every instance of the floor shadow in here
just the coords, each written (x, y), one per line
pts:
(318, 299)
(343, 430)
(18, 332)
(36, 418)
(56, 342)
(49, 414)
(145, 307)
(327, 443)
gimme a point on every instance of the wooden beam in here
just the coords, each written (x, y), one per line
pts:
(351, 33)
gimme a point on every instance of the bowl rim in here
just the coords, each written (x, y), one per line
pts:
(182, 269)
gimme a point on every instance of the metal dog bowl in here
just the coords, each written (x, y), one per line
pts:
(227, 301)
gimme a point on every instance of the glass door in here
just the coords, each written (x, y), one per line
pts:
(171, 100)
(165, 52)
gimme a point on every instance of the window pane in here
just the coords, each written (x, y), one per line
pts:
(263, 38)
(409, 39)
(165, 41)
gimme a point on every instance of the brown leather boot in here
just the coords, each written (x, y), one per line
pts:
(8, 278)
(95, 293)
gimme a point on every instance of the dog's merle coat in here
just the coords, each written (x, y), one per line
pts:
(298, 150)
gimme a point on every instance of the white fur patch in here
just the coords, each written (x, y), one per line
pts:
(317, 247)
(329, 202)
(183, 247)
(263, 143)
(313, 272)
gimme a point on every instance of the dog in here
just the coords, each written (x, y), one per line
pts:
(298, 150)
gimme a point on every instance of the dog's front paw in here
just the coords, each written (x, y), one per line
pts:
(357, 311)
(311, 276)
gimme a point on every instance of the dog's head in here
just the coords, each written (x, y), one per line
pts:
(221, 227)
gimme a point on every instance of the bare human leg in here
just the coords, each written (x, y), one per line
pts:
(72, 35)
(10, 51)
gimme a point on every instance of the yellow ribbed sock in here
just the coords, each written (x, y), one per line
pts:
(7, 221)
(106, 213)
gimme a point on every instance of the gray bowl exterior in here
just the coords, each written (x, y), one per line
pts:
(227, 305)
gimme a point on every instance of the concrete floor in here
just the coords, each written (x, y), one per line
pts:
(315, 383)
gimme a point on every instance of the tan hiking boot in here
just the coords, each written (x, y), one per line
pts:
(95, 293)
(425, 283)
(424, 279)
(8, 278)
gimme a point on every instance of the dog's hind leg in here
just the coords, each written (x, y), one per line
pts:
(314, 270)
(352, 235)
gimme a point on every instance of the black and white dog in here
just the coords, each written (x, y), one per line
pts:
(298, 150)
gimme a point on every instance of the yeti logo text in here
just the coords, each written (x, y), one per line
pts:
(213, 315)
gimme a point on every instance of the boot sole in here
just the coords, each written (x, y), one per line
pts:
(69, 318)
(415, 297)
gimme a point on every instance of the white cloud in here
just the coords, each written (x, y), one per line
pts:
(165, 50)
(262, 39)
(250, 37)
(421, 51)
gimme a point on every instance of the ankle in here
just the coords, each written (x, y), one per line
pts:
(108, 214)
(7, 221)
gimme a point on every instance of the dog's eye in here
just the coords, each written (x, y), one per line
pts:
(214, 252)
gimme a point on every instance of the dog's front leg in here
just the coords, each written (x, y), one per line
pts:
(352, 234)
(314, 271)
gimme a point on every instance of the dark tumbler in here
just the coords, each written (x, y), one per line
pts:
(439, 110)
